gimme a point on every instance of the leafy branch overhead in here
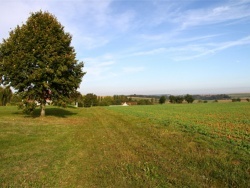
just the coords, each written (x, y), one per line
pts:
(39, 62)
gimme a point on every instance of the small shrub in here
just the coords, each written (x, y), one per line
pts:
(236, 100)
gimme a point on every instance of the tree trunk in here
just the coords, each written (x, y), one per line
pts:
(42, 110)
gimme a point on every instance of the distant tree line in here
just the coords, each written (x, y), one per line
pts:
(90, 99)
(211, 97)
(148, 96)
(179, 99)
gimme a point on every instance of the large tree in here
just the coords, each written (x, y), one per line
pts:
(38, 61)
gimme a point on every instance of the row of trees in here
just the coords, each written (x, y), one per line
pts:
(211, 97)
(91, 99)
(179, 99)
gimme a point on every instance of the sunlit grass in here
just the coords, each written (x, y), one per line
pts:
(139, 146)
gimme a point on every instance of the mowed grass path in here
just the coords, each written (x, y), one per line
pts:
(198, 145)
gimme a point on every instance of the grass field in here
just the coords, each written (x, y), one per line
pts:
(182, 145)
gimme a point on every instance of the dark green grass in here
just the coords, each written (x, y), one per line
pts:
(194, 145)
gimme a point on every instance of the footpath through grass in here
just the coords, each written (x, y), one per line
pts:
(198, 145)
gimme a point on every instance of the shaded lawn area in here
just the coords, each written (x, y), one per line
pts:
(114, 147)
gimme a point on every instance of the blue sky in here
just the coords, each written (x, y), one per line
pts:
(151, 46)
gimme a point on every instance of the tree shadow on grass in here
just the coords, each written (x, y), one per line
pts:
(52, 111)
(57, 112)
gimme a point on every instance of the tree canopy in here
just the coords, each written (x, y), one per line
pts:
(189, 98)
(38, 61)
(176, 99)
(162, 100)
(90, 100)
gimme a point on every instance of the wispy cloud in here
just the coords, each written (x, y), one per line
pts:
(188, 52)
(215, 15)
(92, 23)
(150, 52)
(99, 68)
(214, 48)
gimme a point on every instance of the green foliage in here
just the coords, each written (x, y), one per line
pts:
(15, 99)
(162, 100)
(90, 100)
(115, 100)
(144, 102)
(61, 103)
(236, 100)
(119, 99)
(211, 97)
(176, 99)
(39, 62)
(28, 107)
(5, 95)
(189, 98)
(108, 100)
(76, 97)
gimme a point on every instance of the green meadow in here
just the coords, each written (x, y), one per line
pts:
(172, 145)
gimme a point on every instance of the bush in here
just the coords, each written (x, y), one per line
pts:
(236, 100)
(189, 98)
(144, 102)
(162, 100)
(80, 104)
(28, 107)
(176, 99)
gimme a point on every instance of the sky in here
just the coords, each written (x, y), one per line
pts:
(151, 46)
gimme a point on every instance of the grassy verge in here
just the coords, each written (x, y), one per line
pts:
(146, 146)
